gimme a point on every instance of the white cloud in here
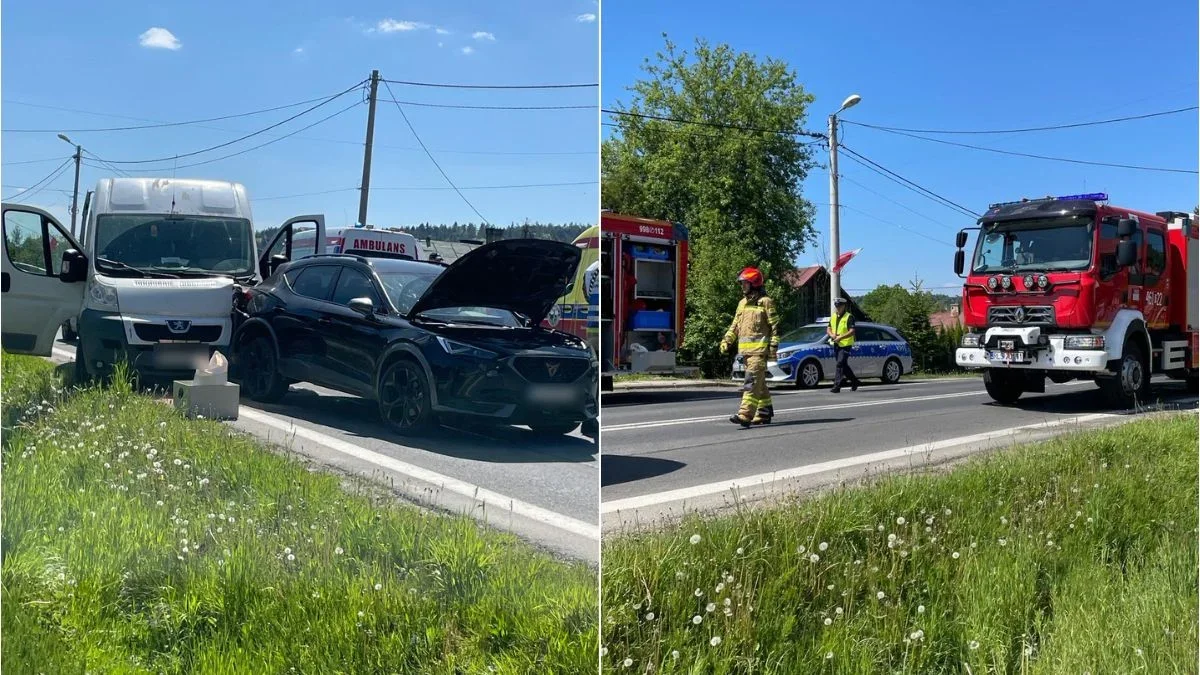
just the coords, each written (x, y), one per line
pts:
(159, 38)
(298, 51)
(441, 44)
(443, 31)
(394, 26)
(468, 50)
(586, 18)
(483, 35)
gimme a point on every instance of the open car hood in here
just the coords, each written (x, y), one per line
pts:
(526, 276)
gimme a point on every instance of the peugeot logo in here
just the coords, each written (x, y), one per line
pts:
(552, 368)
(1019, 315)
(178, 326)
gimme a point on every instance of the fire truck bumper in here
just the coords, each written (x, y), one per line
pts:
(1027, 348)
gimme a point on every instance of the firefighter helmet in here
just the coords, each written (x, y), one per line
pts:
(752, 275)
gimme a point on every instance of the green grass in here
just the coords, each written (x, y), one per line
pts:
(136, 541)
(1075, 556)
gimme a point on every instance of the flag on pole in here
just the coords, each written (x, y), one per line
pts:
(844, 258)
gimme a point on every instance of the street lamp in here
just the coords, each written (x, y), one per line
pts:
(75, 194)
(835, 278)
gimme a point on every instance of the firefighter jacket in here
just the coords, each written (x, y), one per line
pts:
(755, 327)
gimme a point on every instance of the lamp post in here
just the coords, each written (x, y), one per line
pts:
(75, 194)
(835, 278)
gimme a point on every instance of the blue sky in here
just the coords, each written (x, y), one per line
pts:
(945, 65)
(221, 58)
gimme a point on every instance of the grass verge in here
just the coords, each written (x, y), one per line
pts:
(1077, 555)
(136, 541)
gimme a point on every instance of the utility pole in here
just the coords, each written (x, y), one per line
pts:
(835, 278)
(75, 195)
(366, 177)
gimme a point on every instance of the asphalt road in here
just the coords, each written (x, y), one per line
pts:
(664, 450)
(544, 490)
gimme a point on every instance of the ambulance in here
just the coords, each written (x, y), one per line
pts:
(370, 242)
(578, 312)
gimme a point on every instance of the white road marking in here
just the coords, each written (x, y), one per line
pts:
(834, 406)
(494, 500)
(833, 465)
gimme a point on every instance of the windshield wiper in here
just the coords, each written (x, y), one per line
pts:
(116, 265)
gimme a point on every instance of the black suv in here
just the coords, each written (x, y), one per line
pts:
(425, 340)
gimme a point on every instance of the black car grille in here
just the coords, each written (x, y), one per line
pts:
(550, 370)
(1023, 315)
(157, 332)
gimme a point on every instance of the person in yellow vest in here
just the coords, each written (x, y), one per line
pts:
(841, 336)
(754, 334)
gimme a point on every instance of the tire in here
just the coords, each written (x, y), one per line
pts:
(1003, 386)
(258, 370)
(892, 370)
(1132, 383)
(808, 375)
(404, 398)
(82, 377)
(554, 428)
(69, 335)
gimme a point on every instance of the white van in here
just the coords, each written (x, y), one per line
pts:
(151, 282)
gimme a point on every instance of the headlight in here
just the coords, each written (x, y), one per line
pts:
(993, 282)
(1084, 342)
(970, 339)
(459, 349)
(785, 355)
(1043, 282)
(101, 296)
(1028, 280)
(1006, 282)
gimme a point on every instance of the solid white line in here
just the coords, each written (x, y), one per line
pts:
(494, 500)
(833, 465)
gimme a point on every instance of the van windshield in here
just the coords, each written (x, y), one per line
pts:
(182, 245)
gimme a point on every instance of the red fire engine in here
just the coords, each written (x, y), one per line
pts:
(643, 287)
(1073, 288)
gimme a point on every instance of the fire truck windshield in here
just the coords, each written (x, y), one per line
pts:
(1041, 244)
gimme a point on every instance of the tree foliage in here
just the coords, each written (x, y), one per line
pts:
(459, 231)
(737, 191)
(908, 310)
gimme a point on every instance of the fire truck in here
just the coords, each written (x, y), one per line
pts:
(1067, 288)
(643, 280)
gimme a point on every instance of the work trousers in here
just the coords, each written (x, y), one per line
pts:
(842, 354)
(756, 397)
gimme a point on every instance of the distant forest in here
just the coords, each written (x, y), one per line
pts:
(459, 231)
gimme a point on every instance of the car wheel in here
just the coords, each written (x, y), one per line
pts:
(258, 370)
(554, 428)
(892, 370)
(1004, 386)
(1132, 383)
(403, 398)
(69, 335)
(808, 375)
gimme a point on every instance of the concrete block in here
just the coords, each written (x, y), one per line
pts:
(212, 401)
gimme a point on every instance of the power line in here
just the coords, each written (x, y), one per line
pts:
(311, 138)
(34, 161)
(119, 172)
(419, 188)
(908, 183)
(430, 155)
(36, 187)
(1044, 157)
(902, 227)
(489, 86)
(716, 125)
(1027, 129)
(906, 208)
(242, 152)
(493, 107)
(160, 125)
(242, 138)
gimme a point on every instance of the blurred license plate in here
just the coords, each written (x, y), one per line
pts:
(552, 395)
(180, 356)
(1007, 357)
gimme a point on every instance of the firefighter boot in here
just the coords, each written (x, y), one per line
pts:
(765, 413)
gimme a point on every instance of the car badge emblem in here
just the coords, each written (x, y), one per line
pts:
(552, 368)
(1019, 315)
(177, 326)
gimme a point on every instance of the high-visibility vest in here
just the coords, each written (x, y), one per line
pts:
(839, 325)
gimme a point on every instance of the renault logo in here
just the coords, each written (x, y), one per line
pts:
(552, 368)
(1019, 315)
(178, 326)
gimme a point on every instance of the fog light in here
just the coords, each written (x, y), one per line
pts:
(1028, 281)
(993, 282)
(1078, 360)
(1006, 282)
(1043, 282)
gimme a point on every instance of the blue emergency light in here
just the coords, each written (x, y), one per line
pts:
(1090, 197)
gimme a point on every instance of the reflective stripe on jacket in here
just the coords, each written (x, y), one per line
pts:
(755, 327)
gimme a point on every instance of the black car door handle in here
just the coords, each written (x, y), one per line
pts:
(5, 282)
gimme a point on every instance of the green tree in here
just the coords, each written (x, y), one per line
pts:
(737, 191)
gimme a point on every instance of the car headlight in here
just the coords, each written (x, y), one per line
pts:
(970, 340)
(779, 356)
(460, 349)
(102, 296)
(1084, 342)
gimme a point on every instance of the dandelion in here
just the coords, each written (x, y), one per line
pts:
(360, 614)
(679, 574)
(916, 635)
(697, 619)
(828, 656)
(716, 640)
(604, 651)
(628, 662)
(741, 550)
(929, 520)
(698, 593)
(720, 587)
(650, 616)
(338, 551)
(1003, 542)
(1003, 520)
(901, 520)
(880, 595)
(287, 550)
(972, 645)
(1137, 651)
(712, 606)
(1089, 520)
(379, 587)
(674, 653)
(178, 462)
(828, 621)
(291, 558)
(800, 549)
(727, 602)
(823, 547)
(954, 555)
(920, 609)
(695, 539)
(159, 502)
(948, 511)
(814, 558)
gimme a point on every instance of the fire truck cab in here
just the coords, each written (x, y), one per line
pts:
(1065, 288)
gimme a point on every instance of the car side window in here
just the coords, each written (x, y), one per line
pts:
(315, 282)
(868, 334)
(354, 284)
(25, 243)
(1156, 256)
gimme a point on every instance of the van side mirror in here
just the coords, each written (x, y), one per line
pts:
(74, 267)
(1126, 227)
(960, 240)
(277, 261)
(1126, 253)
(960, 260)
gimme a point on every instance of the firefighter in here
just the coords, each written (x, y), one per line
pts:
(754, 334)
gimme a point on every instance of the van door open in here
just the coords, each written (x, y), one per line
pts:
(43, 279)
(311, 231)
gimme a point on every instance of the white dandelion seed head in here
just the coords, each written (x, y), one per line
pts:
(697, 619)
(828, 621)
(814, 558)
(838, 611)
(741, 550)
(650, 616)
(379, 587)
(291, 557)
(920, 609)
(695, 539)
(800, 549)
(824, 546)
(698, 593)
(954, 555)
(716, 640)
(711, 607)
(880, 595)
(972, 645)
(901, 520)
(674, 653)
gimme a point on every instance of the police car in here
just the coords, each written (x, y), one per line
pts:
(805, 358)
